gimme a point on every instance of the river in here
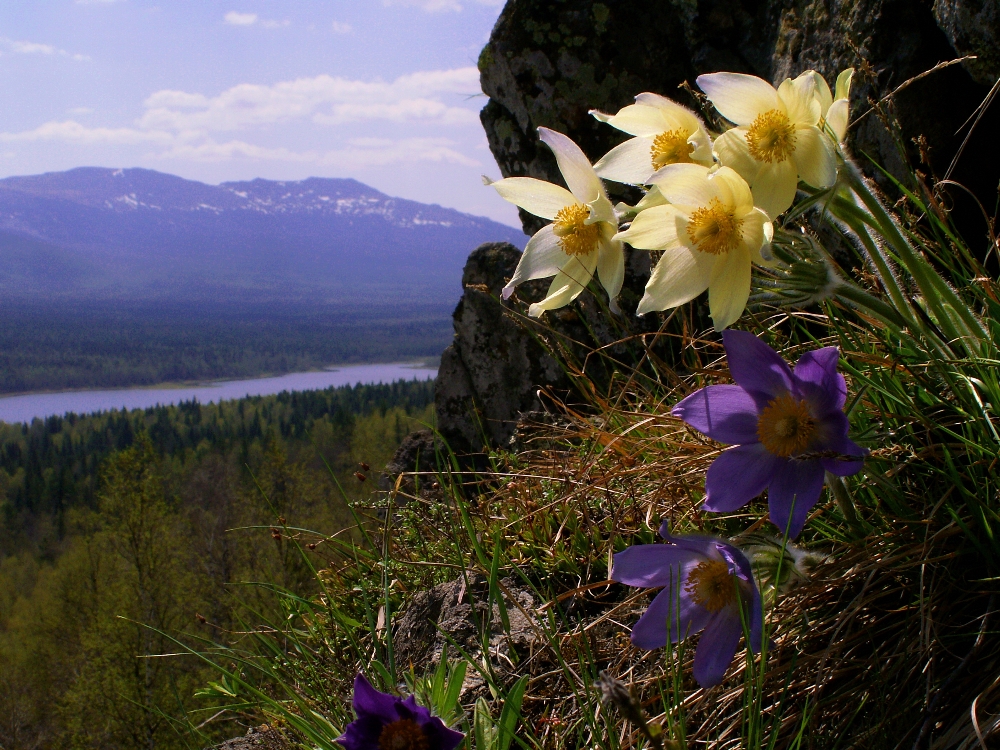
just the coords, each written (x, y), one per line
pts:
(28, 406)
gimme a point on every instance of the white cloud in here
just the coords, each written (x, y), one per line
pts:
(431, 6)
(21, 47)
(327, 100)
(341, 28)
(240, 19)
(70, 131)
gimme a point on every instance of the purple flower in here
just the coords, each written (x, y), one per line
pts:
(788, 426)
(386, 722)
(706, 583)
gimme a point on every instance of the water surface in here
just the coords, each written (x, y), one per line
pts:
(28, 406)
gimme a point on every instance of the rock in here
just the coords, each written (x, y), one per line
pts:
(548, 63)
(457, 608)
(259, 738)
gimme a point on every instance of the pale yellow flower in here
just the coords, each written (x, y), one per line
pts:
(834, 108)
(709, 232)
(665, 133)
(777, 140)
(580, 239)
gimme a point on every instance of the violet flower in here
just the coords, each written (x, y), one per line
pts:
(706, 582)
(789, 428)
(387, 722)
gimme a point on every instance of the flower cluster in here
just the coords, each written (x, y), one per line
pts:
(710, 203)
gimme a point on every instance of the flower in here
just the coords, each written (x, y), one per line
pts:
(788, 426)
(387, 722)
(709, 233)
(665, 133)
(580, 238)
(834, 108)
(706, 582)
(777, 140)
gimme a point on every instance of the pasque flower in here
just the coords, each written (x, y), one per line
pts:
(788, 426)
(387, 722)
(707, 585)
(580, 239)
(709, 232)
(777, 139)
(665, 133)
(834, 108)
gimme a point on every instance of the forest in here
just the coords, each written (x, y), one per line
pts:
(114, 344)
(120, 528)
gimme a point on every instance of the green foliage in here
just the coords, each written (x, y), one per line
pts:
(105, 345)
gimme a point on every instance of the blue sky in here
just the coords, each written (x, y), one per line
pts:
(385, 91)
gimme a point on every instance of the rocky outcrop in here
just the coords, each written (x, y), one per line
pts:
(549, 62)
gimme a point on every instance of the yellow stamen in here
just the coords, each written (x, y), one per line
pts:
(785, 426)
(404, 734)
(771, 137)
(711, 585)
(576, 237)
(713, 229)
(671, 147)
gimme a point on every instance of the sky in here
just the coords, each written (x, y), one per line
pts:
(384, 91)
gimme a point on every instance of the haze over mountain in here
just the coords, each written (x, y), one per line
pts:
(137, 234)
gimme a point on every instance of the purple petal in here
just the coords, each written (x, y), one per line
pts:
(362, 734)
(703, 545)
(738, 476)
(370, 702)
(756, 367)
(832, 432)
(794, 490)
(819, 381)
(685, 618)
(717, 647)
(756, 620)
(650, 565)
(723, 412)
(440, 737)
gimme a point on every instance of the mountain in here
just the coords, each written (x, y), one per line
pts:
(136, 234)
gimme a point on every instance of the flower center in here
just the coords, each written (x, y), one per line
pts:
(671, 147)
(771, 137)
(711, 585)
(576, 237)
(785, 426)
(713, 229)
(404, 734)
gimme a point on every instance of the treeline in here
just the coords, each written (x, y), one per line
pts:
(122, 530)
(114, 344)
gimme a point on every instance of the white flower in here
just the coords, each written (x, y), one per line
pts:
(777, 140)
(580, 238)
(709, 233)
(665, 133)
(834, 108)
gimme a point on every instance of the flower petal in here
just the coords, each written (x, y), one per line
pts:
(535, 196)
(733, 190)
(722, 412)
(815, 157)
(774, 187)
(756, 621)
(731, 148)
(685, 184)
(567, 285)
(654, 228)
(438, 735)
(674, 606)
(629, 162)
(362, 733)
(842, 90)
(817, 379)
(542, 257)
(792, 494)
(739, 97)
(737, 476)
(650, 565)
(611, 270)
(837, 118)
(756, 367)
(729, 287)
(680, 275)
(832, 432)
(755, 228)
(717, 647)
(821, 90)
(580, 177)
(370, 702)
(799, 99)
(637, 119)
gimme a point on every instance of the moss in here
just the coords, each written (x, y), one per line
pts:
(601, 15)
(485, 59)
